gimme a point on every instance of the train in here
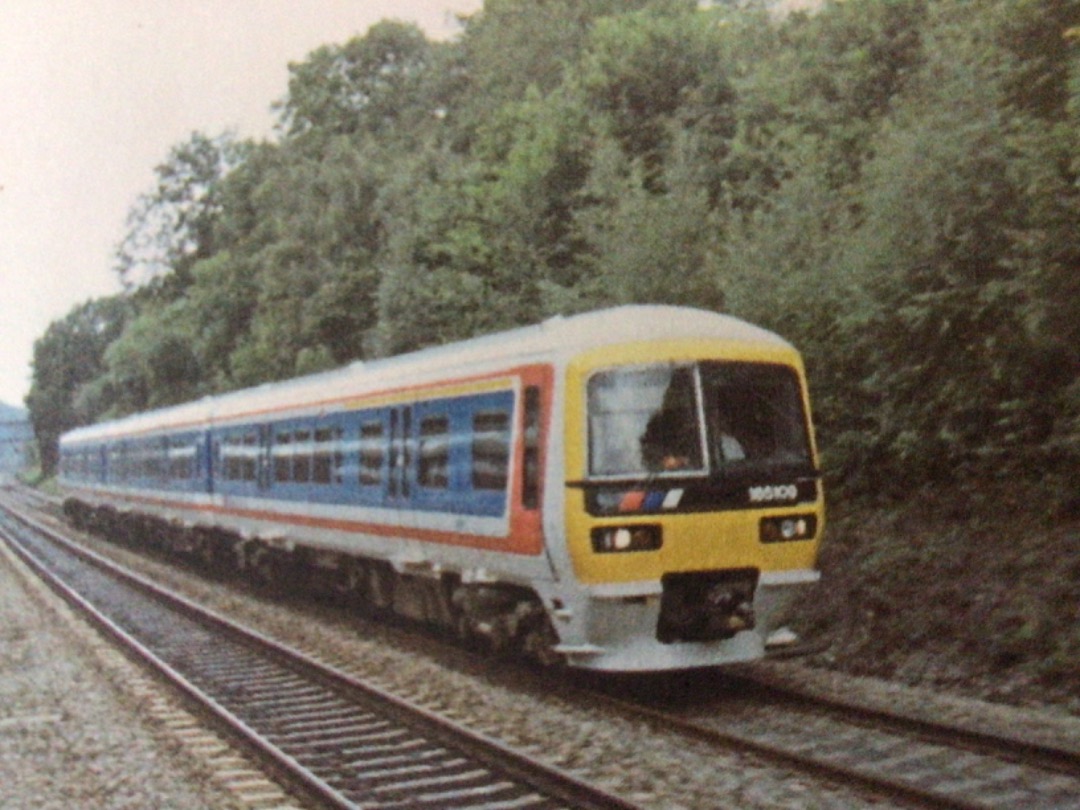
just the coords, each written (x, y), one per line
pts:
(632, 489)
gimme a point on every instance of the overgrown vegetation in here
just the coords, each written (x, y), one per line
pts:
(890, 184)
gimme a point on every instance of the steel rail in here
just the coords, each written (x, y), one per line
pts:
(1033, 775)
(920, 791)
(555, 788)
(1023, 751)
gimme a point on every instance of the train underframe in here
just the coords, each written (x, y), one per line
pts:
(503, 617)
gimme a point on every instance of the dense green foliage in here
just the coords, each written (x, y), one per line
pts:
(69, 360)
(891, 184)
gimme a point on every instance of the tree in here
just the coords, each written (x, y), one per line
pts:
(513, 45)
(371, 84)
(1040, 35)
(961, 383)
(640, 69)
(443, 269)
(828, 77)
(172, 227)
(151, 364)
(314, 280)
(891, 184)
(646, 246)
(69, 355)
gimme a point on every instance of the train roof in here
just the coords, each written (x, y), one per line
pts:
(558, 335)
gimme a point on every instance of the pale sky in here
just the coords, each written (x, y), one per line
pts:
(94, 94)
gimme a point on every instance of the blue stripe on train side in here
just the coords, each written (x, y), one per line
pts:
(361, 467)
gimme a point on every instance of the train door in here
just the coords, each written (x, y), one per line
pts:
(399, 488)
(209, 462)
(264, 466)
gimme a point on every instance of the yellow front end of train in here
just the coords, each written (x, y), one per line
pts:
(693, 501)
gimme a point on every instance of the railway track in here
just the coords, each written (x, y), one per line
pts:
(339, 742)
(914, 761)
(917, 761)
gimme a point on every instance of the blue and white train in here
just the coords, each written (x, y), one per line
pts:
(626, 490)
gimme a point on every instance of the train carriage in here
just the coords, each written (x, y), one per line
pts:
(631, 489)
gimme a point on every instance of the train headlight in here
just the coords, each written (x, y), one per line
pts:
(788, 528)
(626, 538)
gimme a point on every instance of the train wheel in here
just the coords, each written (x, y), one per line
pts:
(349, 585)
(76, 513)
(381, 582)
(538, 638)
(266, 567)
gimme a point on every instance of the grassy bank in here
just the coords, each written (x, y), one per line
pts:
(974, 591)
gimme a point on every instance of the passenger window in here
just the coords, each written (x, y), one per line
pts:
(181, 455)
(434, 469)
(372, 454)
(327, 459)
(490, 450)
(233, 471)
(302, 457)
(240, 453)
(249, 459)
(283, 457)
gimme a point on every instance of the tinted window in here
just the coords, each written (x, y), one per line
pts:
(754, 414)
(490, 450)
(327, 459)
(302, 456)
(372, 454)
(434, 469)
(644, 420)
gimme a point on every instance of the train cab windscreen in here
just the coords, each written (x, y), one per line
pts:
(696, 419)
